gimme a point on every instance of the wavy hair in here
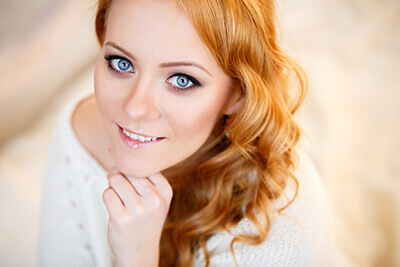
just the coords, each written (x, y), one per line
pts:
(251, 155)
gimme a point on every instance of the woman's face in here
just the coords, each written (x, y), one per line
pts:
(156, 79)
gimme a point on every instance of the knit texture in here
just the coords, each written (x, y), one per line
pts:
(73, 226)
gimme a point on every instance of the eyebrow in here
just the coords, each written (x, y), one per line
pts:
(120, 49)
(183, 63)
(162, 65)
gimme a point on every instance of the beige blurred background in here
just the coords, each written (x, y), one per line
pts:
(350, 50)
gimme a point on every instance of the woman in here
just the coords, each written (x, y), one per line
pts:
(192, 124)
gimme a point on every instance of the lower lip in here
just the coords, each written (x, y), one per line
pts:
(136, 144)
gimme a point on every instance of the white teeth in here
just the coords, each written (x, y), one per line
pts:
(138, 137)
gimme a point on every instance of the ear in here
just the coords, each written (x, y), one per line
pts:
(234, 101)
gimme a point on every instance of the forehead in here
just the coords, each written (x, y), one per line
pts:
(155, 29)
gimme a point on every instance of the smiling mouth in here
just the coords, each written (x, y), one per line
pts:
(138, 137)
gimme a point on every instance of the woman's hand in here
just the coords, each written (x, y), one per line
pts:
(138, 208)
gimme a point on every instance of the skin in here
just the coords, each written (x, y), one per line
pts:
(144, 101)
(141, 98)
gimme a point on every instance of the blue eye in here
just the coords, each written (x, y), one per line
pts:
(119, 64)
(181, 82)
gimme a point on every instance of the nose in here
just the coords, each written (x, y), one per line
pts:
(141, 103)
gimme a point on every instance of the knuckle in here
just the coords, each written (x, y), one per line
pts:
(157, 203)
(140, 209)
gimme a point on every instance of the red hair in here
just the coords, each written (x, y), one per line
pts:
(239, 176)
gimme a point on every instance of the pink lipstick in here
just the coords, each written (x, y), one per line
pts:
(140, 143)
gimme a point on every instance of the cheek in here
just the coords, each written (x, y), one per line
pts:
(103, 91)
(194, 122)
(106, 100)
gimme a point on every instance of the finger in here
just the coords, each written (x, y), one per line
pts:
(124, 190)
(113, 203)
(150, 196)
(142, 186)
(162, 186)
(112, 171)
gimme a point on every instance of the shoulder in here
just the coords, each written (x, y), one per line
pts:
(82, 118)
(309, 218)
(87, 126)
(85, 121)
(311, 206)
(312, 195)
(301, 235)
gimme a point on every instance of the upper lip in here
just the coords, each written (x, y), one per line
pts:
(137, 133)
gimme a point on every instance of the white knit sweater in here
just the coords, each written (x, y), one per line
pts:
(73, 227)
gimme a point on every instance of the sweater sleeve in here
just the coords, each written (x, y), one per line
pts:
(63, 240)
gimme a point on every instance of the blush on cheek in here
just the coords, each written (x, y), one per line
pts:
(202, 122)
(197, 124)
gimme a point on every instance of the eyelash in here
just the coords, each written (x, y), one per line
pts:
(195, 82)
(108, 59)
